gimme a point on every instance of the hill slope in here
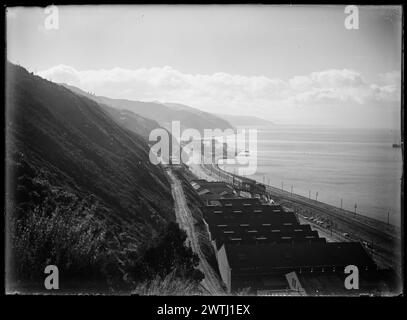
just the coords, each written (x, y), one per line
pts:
(200, 119)
(65, 154)
(126, 118)
(134, 122)
(164, 114)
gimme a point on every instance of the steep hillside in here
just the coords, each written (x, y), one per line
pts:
(69, 162)
(132, 121)
(164, 114)
(128, 119)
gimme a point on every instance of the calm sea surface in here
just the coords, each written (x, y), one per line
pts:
(358, 165)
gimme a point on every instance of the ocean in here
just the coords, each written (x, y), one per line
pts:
(359, 166)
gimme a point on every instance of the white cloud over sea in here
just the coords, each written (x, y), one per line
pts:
(235, 94)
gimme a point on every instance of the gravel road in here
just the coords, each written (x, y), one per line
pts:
(211, 283)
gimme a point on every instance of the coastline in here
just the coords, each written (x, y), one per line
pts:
(348, 167)
(381, 240)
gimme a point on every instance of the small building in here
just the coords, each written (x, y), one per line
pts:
(213, 190)
(370, 282)
(235, 202)
(244, 183)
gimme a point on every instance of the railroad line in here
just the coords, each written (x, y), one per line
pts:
(385, 238)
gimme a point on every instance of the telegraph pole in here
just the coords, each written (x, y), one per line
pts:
(235, 143)
(282, 185)
(341, 202)
(330, 224)
(291, 190)
(316, 196)
(309, 194)
(355, 207)
(388, 217)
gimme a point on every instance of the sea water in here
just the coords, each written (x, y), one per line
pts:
(359, 166)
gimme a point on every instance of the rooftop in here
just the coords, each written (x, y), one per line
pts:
(371, 282)
(212, 190)
(268, 257)
(228, 206)
(259, 239)
(242, 216)
(266, 229)
(238, 202)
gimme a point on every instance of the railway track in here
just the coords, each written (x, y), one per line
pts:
(380, 234)
(386, 239)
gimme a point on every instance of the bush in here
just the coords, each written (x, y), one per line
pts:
(89, 251)
(169, 285)
(168, 254)
(66, 236)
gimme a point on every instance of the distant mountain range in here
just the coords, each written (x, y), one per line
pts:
(162, 113)
(236, 121)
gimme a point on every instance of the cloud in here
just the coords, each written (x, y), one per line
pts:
(337, 78)
(393, 77)
(227, 93)
(62, 74)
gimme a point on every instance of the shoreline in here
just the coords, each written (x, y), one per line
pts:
(381, 240)
(374, 199)
(363, 215)
(393, 228)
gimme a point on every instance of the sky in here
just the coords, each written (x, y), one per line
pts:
(288, 64)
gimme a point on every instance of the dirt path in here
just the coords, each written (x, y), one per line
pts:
(184, 218)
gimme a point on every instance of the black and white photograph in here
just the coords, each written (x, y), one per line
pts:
(204, 150)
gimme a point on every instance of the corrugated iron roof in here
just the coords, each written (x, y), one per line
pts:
(268, 256)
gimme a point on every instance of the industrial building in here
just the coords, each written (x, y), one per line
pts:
(213, 190)
(264, 267)
(241, 216)
(238, 182)
(261, 247)
(240, 208)
(237, 201)
(254, 234)
(371, 282)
